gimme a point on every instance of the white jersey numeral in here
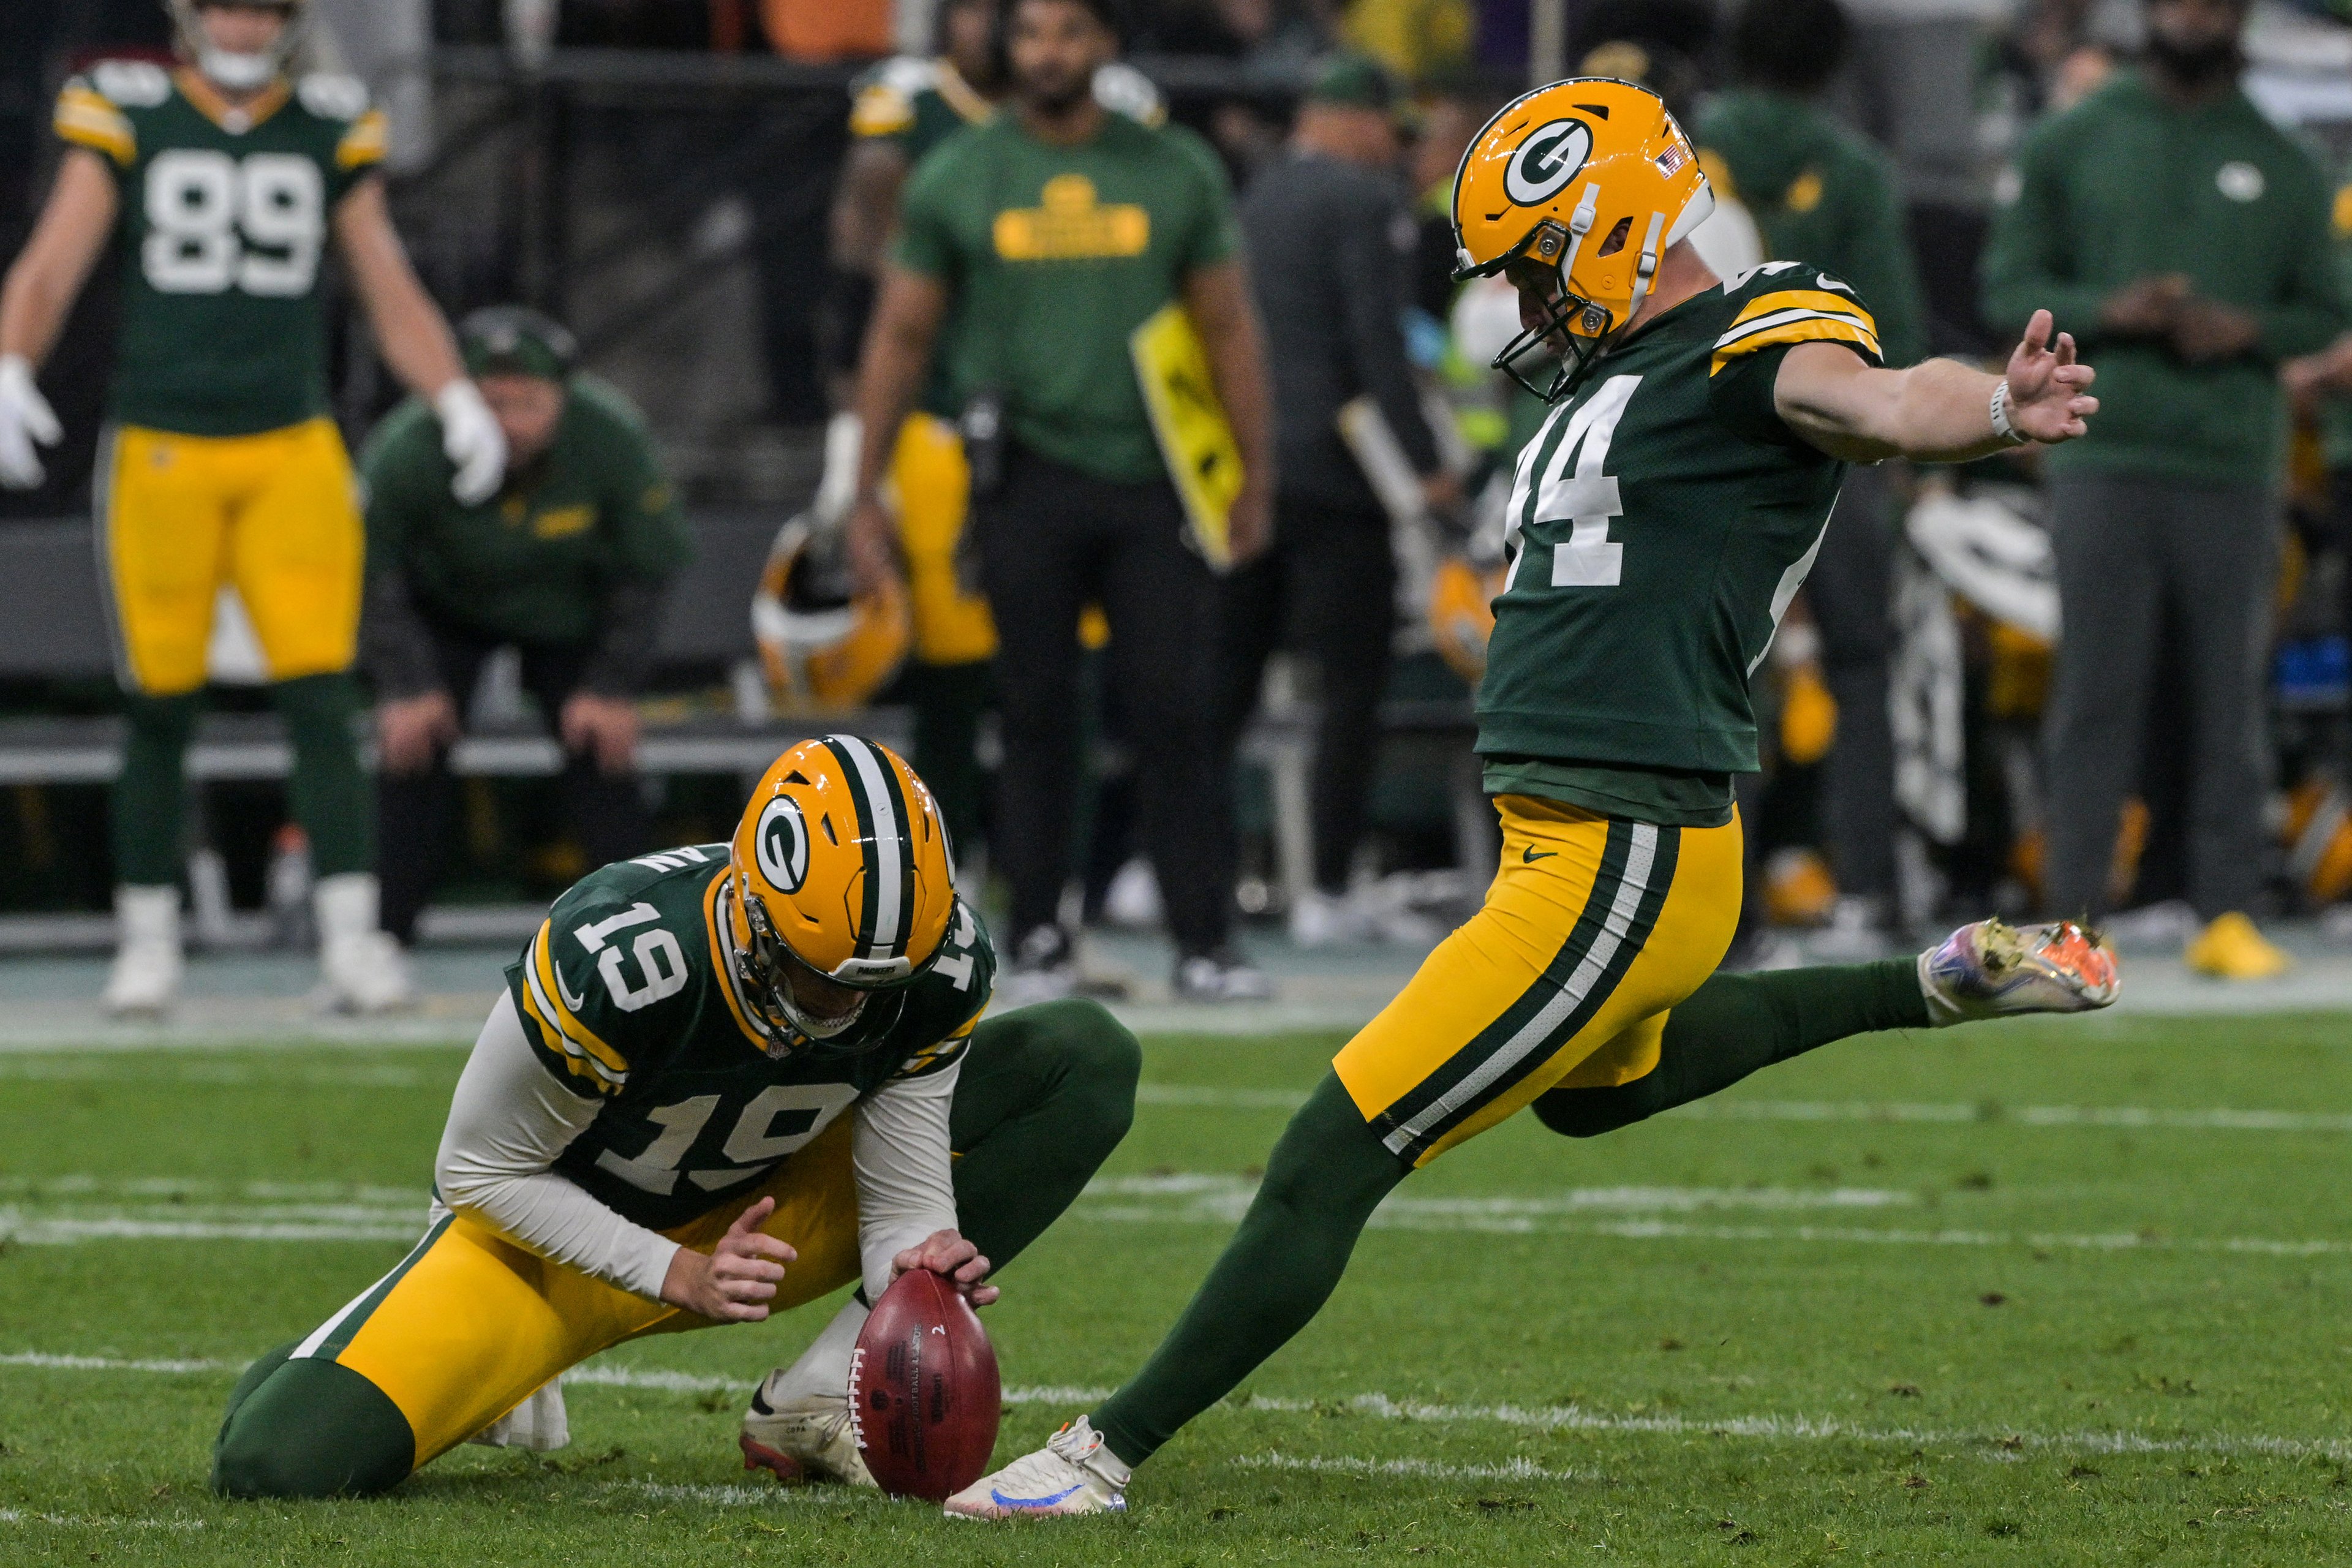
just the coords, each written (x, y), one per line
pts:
(662, 961)
(214, 223)
(1572, 488)
(958, 966)
(780, 1120)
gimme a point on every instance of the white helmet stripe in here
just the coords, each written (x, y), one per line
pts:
(889, 844)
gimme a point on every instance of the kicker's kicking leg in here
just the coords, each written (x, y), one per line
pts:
(1735, 1023)
(1044, 1095)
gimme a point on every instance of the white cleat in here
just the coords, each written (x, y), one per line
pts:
(1072, 1473)
(1990, 970)
(807, 1438)
(360, 968)
(145, 978)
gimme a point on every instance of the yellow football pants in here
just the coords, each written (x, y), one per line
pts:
(275, 515)
(1592, 930)
(933, 486)
(469, 1325)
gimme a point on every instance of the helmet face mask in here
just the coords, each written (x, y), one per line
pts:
(765, 966)
(229, 70)
(1579, 188)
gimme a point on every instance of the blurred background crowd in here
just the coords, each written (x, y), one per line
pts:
(2116, 684)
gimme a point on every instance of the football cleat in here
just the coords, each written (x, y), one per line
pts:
(807, 1438)
(1990, 970)
(1220, 976)
(1045, 968)
(146, 977)
(2231, 948)
(1072, 1473)
(360, 968)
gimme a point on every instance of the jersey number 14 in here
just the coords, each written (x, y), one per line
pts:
(1562, 481)
(214, 223)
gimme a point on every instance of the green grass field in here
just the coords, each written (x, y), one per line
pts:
(2039, 1294)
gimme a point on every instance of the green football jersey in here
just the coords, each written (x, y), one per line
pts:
(222, 225)
(629, 994)
(1660, 523)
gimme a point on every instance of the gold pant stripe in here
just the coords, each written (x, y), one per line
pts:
(274, 516)
(1563, 976)
(471, 1324)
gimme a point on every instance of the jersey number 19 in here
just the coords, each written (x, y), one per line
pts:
(214, 223)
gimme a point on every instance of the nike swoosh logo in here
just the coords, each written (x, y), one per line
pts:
(1529, 856)
(574, 1003)
(1004, 1501)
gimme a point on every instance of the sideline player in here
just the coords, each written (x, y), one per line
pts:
(901, 109)
(219, 184)
(1662, 519)
(651, 1129)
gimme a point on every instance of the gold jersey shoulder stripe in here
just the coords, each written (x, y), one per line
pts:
(1805, 300)
(882, 109)
(364, 143)
(584, 1053)
(1795, 328)
(88, 120)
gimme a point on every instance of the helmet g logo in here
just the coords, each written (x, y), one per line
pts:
(1546, 161)
(782, 844)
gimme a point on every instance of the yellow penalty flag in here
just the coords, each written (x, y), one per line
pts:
(1195, 439)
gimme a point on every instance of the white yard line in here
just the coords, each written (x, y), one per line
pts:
(2204, 1119)
(91, 1522)
(1427, 1469)
(1386, 1407)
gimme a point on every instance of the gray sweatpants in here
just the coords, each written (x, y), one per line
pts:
(2141, 559)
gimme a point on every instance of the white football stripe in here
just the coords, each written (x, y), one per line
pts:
(889, 844)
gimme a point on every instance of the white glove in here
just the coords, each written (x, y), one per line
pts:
(471, 437)
(26, 420)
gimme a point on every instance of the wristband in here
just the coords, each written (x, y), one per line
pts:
(2000, 424)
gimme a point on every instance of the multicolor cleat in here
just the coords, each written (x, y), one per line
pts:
(1072, 1473)
(1990, 970)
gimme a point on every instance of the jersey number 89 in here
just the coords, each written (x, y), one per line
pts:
(214, 223)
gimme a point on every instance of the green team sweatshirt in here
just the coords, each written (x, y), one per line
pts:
(1822, 196)
(2126, 185)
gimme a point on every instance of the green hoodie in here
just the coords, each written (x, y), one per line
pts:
(1821, 195)
(2126, 185)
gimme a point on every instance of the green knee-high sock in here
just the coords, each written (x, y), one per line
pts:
(328, 791)
(151, 794)
(309, 1430)
(1045, 1095)
(1733, 1024)
(1323, 1181)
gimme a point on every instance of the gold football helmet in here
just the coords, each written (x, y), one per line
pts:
(839, 869)
(825, 646)
(1591, 180)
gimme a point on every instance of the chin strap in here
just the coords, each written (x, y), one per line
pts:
(1646, 269)
(1579, 224)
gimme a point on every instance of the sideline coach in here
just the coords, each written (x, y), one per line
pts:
(1029, 250)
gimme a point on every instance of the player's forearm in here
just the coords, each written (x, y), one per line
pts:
(508, 1120)
(897, 350)
(1222, 314)
(55, 261)
(901, 1160)
(1945, 414)
(410, 331)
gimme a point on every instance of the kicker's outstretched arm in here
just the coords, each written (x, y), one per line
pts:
(1938, 411)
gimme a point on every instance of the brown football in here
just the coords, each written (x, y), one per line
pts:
(923, 1390)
